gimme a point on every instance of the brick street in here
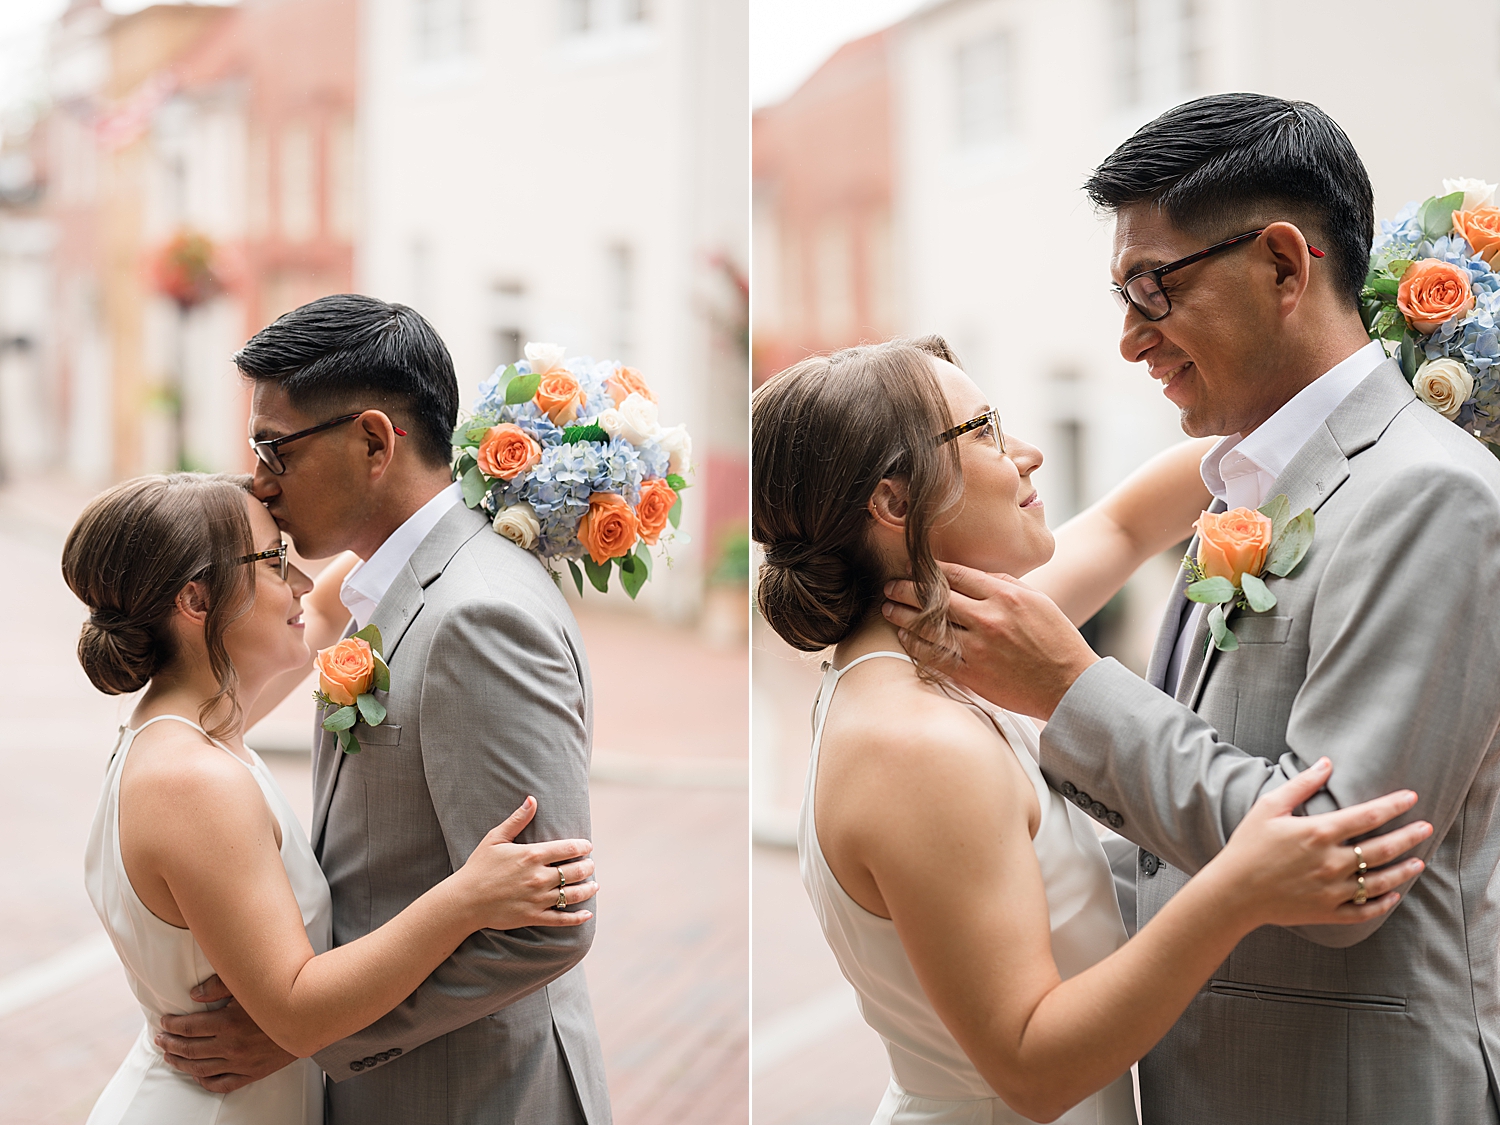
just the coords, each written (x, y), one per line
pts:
(668, 971)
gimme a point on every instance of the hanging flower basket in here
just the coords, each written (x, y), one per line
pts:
(184, 269)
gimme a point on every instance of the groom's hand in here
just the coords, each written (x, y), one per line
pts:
(1018, 650)
(222, 1050)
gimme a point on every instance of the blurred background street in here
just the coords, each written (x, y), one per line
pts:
(916, 169)
(175, 176)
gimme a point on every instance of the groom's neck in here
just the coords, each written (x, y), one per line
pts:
(394, 506)
(1305, 357)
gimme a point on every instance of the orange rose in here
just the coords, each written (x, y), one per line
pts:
(1432, 292)
(657, 498)
(346, 670)
(560, 396)
(1233, 543)
(1480, 228)
(608, 529)
(507, 451)
(625, 382)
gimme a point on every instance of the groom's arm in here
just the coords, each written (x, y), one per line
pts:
(1404, 644)
(503, 715)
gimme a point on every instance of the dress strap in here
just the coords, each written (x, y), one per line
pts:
(196, 727)
(837, 672)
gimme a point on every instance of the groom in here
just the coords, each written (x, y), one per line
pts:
(1382, 652)
(353, 405)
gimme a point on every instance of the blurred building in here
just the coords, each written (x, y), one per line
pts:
(574, 171)
(977, 121)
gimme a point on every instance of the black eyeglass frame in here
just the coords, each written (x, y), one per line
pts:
(992, 415)
(278, 553)
(1121, 292)
(268, 451)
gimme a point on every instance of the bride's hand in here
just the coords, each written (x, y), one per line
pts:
(508, 885)
(1288, 870)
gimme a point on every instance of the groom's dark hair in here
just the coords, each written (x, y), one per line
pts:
(1211, 163)
(355, 352)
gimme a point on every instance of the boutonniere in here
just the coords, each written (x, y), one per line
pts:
(1237, 547)
(349, 675)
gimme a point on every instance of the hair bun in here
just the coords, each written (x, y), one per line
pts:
(812, 598)
(118, 655)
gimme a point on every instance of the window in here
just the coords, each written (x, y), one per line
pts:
(443, 29)
(602, 17)
(985, 98)
(1158, 50)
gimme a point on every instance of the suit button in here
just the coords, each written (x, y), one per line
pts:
(395, 1051)
(1116, 821)
(1149, 864)
(1067, 789)
(1082, 800)
(371, 1061)
(356, 1066)
(1097, 811)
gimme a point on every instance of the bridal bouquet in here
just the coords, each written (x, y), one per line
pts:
(1432, 290)
(568, 459)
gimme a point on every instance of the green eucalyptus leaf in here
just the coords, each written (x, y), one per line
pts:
(1278, 509)
(577, 576)
(371, 710)
(598, 575)
(474, 487)
(349, 742)
(460, 434)
(674, 517)
(633, 579)
(1257, 593)
(1223, 636)
(626, 563)
(644, 555)
(1211, 591)
(342, 719)
(675, 482)
(1397, 267)
(1409, 362)
(466, 462)
(382, 675)
(1288, 549)
(1385, 285)
(522, 388)
(1436, 215)
(370, 634)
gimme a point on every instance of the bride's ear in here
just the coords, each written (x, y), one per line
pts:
(192, 602)
(888, 505)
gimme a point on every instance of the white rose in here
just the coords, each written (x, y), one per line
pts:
(519, 524)
(544, 357)
(678, 446)
(1445, 385)
(638, 422)
(610, 422)
(1477, 193)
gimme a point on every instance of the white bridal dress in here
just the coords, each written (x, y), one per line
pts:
(163, 962)
(932, 1080)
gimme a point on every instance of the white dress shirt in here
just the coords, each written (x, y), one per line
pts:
(1241, 470)
(367, 583)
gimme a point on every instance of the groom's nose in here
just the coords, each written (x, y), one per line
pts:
(264, 484)
(1137, 336)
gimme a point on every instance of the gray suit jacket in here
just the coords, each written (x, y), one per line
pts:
(490, 700)
(1383, 653)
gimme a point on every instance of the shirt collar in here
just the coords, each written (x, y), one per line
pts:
(1270, 447)
(367, 583)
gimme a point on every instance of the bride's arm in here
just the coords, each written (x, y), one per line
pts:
(201, 830)
(1101, 547)
(953, 862)
(324, 618)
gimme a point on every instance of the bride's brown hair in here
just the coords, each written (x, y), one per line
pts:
(824, 433)
(132, 551)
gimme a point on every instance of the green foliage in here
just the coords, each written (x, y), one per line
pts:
(643, 556)
(342, 719)
(521, 388)
(577, 576)
(575, 434)
(674, 517)
(1223, 637)
(382, 673)
(371, 710)
(348, 743)
(1278, 509)
(598, 575)
(1288, 549)
(633, 575)
(1257, 595)
(474, 487)
(1436, 215)
(675, 482)
(1211, 591)
(370, 634)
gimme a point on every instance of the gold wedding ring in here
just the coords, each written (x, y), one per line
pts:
(562, 898)
(1360, 895)
(1359, 858)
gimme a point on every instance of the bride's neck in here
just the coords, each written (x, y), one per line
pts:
(873, 634)
(177, 690)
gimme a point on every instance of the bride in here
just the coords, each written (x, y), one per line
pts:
(972, 907)
(196, 863)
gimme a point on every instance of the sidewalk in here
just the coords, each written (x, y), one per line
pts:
(668, 973)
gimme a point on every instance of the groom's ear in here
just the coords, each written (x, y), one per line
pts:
(889, 504)
(379, 435)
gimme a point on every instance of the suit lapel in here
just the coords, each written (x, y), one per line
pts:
(326, 758)
(1312, 476)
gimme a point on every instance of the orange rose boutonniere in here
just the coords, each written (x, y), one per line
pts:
(1237, 547)
(349, 675)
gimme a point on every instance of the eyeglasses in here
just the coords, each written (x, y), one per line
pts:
(989, 418)
(268, 452)
(277, 553)
(1143, 292)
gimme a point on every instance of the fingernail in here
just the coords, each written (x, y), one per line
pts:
(885, 608)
